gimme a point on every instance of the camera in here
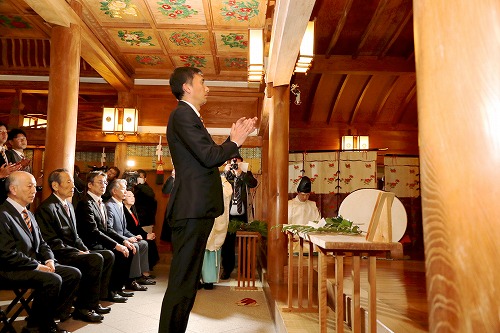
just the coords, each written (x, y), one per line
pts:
(131, 178)
(234, 164)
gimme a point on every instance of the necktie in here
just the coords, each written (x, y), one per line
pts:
(201, 118)
(4, 155)
(237, 195)
(66, 208)
(27, 220)
(103, 215)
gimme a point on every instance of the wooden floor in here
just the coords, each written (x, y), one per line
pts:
(401, 299)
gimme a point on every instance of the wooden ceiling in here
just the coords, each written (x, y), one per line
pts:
(362, 80)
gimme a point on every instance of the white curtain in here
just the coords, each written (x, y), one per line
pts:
(348, 170)
(402, 176)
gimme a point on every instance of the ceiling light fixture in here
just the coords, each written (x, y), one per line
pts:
(35, 120)
(120, 121)
(256, 55)
(355, 142)
(306, 53)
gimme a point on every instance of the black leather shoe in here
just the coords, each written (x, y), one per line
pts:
(125, 293)
(208, 286)
(87, 315)
(144, 280)
(114, 297)
(63, 317)
(135, 286)
(102, 309)
(54, 329)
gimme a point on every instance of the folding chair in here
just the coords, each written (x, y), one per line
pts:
(7, 317)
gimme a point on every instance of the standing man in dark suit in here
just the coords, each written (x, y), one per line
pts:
(93, 228)
(57, 220)
(196, 198)
(6, 165)
(27, 261)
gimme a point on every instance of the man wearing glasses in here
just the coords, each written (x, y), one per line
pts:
(97, 234)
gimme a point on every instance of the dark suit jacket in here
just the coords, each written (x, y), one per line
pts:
(197, 191)
(168, 186)
(247, 181)
(59, 230)
(19, 248)
(14, 158)
(93, 230)
(145, 203)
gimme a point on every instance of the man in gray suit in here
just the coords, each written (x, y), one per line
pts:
(139, 268)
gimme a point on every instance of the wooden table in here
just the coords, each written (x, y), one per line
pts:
(341, 245)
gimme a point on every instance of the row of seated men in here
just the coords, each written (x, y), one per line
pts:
(72, 259)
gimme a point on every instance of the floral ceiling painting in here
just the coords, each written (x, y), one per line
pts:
(156, 34)
(145, 36)
(177, 12)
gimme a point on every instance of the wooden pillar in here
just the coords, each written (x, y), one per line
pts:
(278, 181)
(16, 116)
(121, 157)
(458, 80)
(62, 112)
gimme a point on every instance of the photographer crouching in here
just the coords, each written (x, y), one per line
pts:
(242, 181)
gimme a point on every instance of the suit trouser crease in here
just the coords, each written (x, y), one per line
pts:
(140, 262)
(53, 292)
(189, 239)
(90, 265)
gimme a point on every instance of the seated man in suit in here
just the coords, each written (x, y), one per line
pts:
(135, 227)
(93, 228)
(116, 219)
(57, 221)
(28, 261)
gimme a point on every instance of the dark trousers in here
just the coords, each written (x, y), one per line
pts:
(121, 271)
(107, 268)
(90, 265)
(153, 254)
(53, 292)
(228, 247)
(189, 239)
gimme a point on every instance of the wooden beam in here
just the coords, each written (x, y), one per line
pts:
(339, 28)
(366, 65)
(52, 11)
(289, 25)
(371, 26)
(59, 12)
(395, 36)
(336, 98)
(37, 137)
(360, 100)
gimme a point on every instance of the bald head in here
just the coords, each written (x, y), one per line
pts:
(22, 187)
